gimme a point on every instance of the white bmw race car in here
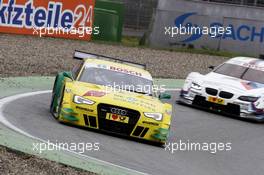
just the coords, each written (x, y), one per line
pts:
(235, 87)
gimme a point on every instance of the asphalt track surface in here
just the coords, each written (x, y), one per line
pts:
(31, 114)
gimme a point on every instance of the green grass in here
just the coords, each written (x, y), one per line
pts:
(126, 41)
(134, 42)
(130, 41)
(206, 52)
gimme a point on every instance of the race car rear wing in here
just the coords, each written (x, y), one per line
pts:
(80, 55)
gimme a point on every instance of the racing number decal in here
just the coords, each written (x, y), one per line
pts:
(220, 100)
(216, 100)
(117, 118)
(122, 118)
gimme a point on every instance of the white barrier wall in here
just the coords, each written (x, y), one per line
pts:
(245, 23)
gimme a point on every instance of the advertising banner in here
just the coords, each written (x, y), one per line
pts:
(185, 24)
(55, 18)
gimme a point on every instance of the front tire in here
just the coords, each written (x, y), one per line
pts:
(53, 98)
(54, 109)
(56, 99)
(57, 109)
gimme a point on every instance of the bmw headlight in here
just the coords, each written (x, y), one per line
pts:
(248, 98)
(155, 116)
(196, 86)
(80, 100)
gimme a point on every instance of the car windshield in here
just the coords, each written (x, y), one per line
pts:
(116, 80)
(241, 72)
(254, 75)
(231, 70)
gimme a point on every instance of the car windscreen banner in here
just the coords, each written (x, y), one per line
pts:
(55, 18)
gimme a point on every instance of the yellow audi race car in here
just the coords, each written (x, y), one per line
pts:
(111, 95)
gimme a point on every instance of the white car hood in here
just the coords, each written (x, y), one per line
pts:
(231, 84)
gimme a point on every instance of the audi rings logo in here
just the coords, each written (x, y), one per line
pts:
(118, 111)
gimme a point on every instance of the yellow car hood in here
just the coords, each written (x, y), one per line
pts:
(100, 94)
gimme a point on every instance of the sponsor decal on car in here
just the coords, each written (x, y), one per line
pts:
(126, 71)
(150, 123)
(95, 93)
(85, 109)
(253, 66)
(138, 102)
(252, 85)
(117, 69)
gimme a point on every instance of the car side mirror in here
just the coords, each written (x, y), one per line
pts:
(68, 75)
(164, 96)
(211, 67)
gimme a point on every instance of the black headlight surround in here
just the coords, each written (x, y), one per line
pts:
(248, 98)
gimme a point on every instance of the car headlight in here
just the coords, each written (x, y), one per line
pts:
(196, 86)
(248, 98)
(155, 116)
(80, 100)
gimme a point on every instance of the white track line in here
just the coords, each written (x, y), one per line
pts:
(173, 89)
(7, 100)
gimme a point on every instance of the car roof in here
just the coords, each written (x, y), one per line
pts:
(93, 62)
(246, 61)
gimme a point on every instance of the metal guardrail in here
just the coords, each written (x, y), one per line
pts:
(138, 13)
(257, 3)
